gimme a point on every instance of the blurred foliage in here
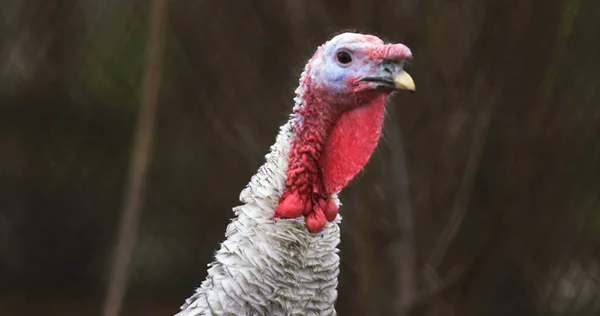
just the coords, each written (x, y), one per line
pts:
(114, 58)
(507, 89)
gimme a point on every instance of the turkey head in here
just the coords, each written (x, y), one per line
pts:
(339, 113)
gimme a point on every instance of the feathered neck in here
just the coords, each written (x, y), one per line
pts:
(263, 257)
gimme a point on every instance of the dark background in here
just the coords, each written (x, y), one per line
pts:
(501, 146)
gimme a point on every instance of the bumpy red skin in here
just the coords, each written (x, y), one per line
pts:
(390, 51)
(331, 145)
(305, 193)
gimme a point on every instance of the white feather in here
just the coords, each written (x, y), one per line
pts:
(270, 266)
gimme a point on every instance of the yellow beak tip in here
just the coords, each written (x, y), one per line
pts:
(404, 81)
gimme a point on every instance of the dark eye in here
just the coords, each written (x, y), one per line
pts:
(344, 57)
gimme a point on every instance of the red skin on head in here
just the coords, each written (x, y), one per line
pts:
(351, 143)
(390, 51)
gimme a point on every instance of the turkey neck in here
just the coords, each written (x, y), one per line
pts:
(265, 257)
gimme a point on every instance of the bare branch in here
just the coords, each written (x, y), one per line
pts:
(451, 280)
(140, 160)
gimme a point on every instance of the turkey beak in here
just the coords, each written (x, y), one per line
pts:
(403, 81)
(391, 75)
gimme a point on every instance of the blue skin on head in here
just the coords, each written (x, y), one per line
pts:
(332, 75)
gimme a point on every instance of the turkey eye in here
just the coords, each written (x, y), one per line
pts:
(344, 57)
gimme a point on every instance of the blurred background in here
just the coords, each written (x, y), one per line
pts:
(482, 199)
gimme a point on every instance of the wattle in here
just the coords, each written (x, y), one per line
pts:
(351, 143)
(327, 153)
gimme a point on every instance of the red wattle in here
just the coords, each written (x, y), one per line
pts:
(308, 207)
(291, 206)
(315, 221)
(351, 143)
(331, 210)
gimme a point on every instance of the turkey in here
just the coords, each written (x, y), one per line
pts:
(280, 254)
